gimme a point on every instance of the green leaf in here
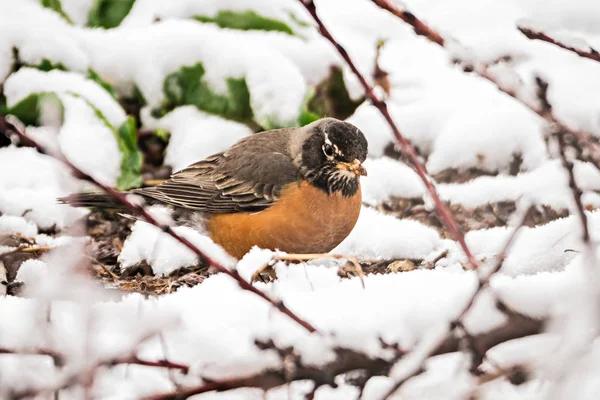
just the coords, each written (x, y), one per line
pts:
(56, 6)
(131, 157)
(131, 162)
(109, 13)
(245, 20)
(47, 65)
(139, 96)
(186, 87)
(3, 106)
(94, 76)
(162, 134)
(331, 97)
(306, 116)
(29, 110)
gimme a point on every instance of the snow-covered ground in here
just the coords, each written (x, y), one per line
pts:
(458, 120)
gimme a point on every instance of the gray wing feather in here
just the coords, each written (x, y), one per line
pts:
(247, 177)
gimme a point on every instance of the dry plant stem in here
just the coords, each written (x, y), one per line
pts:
(483, 71)
(568, 166)
(443, 211)
(7, 127)
(347, 360)
(477, 351)
(533, 34)
(419, 27)
(309, 257)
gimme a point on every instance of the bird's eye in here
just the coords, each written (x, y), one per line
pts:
(328, 150)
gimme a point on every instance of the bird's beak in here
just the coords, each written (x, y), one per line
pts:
(355, 167)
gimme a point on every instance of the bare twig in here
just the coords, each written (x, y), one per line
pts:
(444, 213)
(9, 128)
(347, 360)
(533, 34)
(158, 363)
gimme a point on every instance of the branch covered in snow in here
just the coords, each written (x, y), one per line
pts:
(347, 360)
(443, 211)
(533, 34)
(508, 87)
(10, 129)
(542, 93)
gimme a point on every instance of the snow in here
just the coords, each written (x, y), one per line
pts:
(162, 252)
(14, 224)
(29, 80)
(455, 119)
(388, 178)
(546, 185)
(32, 191)
(146, 56)
(49, 40)
(378, 236)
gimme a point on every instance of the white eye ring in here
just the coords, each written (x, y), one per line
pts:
(328, 150)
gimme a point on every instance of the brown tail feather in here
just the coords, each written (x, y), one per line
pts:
(96, 199)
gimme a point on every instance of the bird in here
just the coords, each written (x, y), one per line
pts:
(295, 190)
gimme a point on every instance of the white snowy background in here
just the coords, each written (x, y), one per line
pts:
(459, 120)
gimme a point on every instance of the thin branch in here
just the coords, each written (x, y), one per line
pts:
(444, 213)
(8, 128)
(158, 363)
(533, 34)
(419, 27)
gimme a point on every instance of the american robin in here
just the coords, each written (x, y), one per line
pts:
(292, 189)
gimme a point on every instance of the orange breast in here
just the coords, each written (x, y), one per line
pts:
(304, 220)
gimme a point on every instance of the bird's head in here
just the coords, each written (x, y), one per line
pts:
(332, 154)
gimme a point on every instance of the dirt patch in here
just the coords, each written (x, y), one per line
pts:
(483, 217)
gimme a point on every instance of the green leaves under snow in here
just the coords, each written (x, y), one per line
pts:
(131, 161)
(131, 157)
(31, 111)
(187, 87)
(245, 21)
(109, 13)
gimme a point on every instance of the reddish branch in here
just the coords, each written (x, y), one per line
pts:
(533, 34)
(8, 128)
(443, 211)
(419, 27)
(347, 360)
